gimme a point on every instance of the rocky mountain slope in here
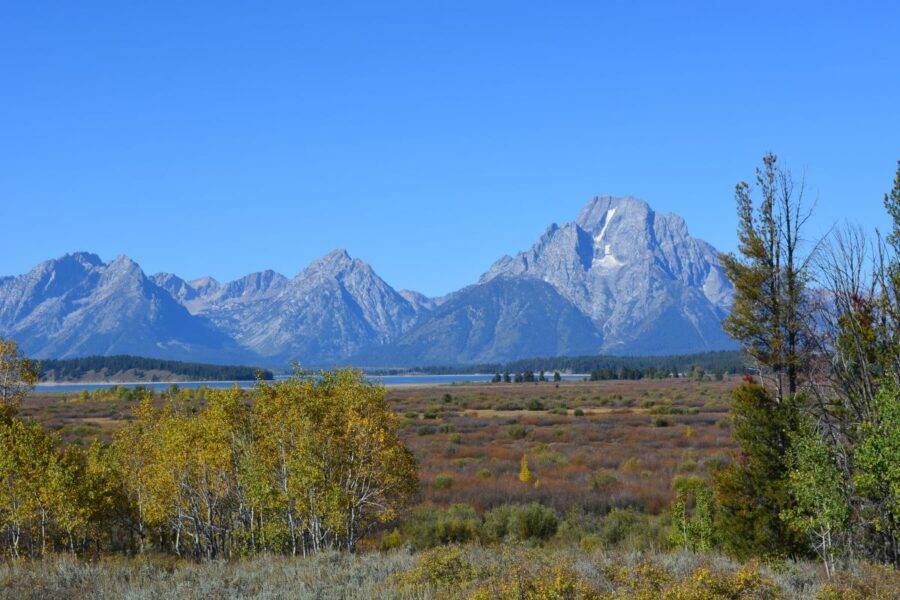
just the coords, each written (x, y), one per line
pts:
(503, 318)
(644, 281)
(332, 309)
(78, 305)
(619, 279)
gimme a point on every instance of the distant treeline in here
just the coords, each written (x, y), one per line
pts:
(78, 368)
(605, 367)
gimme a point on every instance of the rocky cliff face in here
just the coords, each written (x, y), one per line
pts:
(619, 279)
(78, 305)
(331, 310)
(642, 279)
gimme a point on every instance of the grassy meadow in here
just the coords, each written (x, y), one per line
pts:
(591, 521)
(596, 445)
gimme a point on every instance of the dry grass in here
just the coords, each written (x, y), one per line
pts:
(478, 437)
(635, 435)
(444, 573)
(629, 440)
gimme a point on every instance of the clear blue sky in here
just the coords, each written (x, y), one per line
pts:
(427, 138)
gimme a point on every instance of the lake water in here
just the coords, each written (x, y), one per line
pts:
(387, 380)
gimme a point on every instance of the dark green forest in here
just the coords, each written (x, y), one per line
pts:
(604, 366)
(74, 369)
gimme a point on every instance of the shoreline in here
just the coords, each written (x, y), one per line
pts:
(386, 380)
(191, 381)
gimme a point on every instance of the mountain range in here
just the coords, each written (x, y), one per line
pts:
(620, 279)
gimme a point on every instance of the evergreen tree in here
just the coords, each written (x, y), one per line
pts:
(769, 317)
(771, 308)
(753, 492)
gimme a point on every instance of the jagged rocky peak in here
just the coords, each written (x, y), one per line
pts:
(53, 280)
(632, 271)
(600, 211)
(205, 285)
(622, 230)
(352, 274)
(255, 285)
(612, 235)
(164, 280)
(419, 301)
(121, 273)
(333, 264)
(664, 238)
(123, 266)
(177, 287)
(84, 259)
(206, 294)
(329, 311)
(57, 270)
(81, 260)
(78, 305)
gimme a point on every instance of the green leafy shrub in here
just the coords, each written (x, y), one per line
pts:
(631, 530)
(391, 540)
(545, 457)
(517, 432)
(522, 522)
(692, 514)
(443, 482)
(687, 466)
(590, 542)
(429, 526)
(604, 480)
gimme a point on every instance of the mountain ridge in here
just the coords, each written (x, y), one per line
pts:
(620, 278)
(78, 305)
